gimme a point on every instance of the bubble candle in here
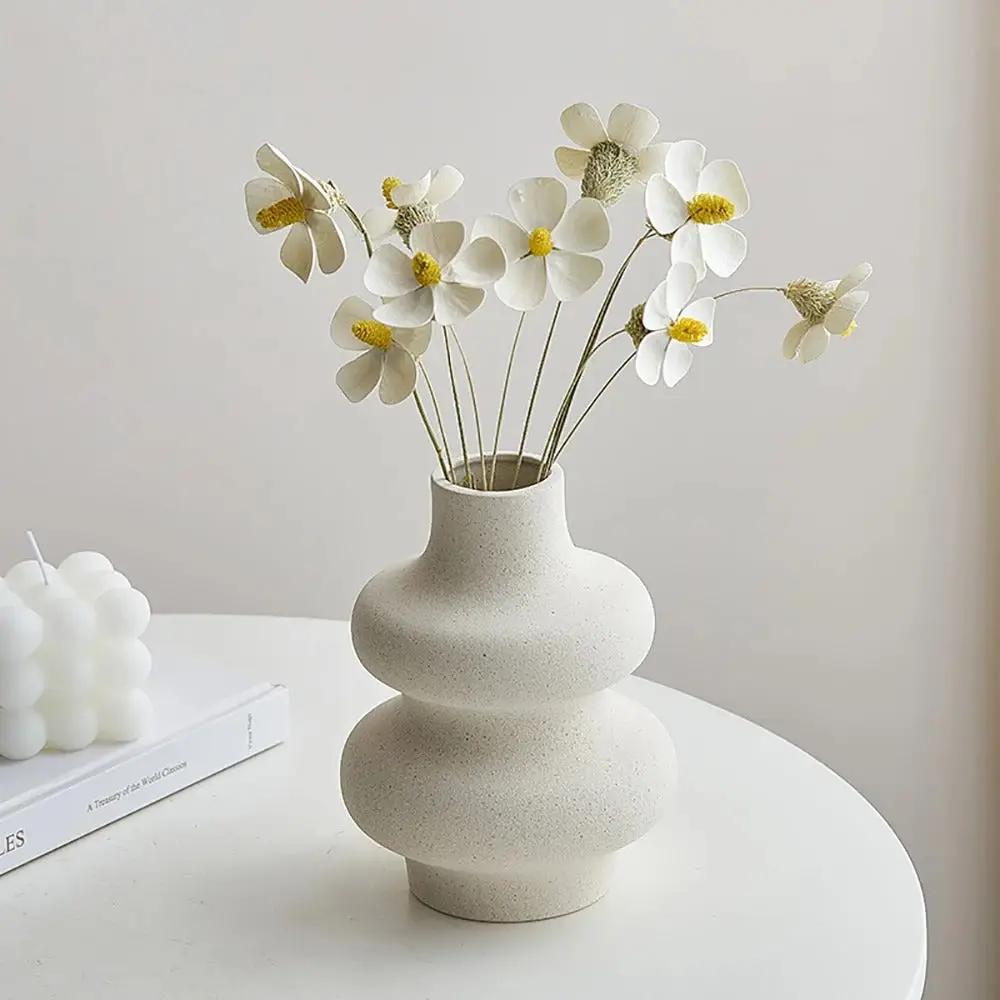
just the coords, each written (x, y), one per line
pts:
(72, 666)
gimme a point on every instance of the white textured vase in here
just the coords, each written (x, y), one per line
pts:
(505, 773)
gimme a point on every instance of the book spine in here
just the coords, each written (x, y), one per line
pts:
(136, 782)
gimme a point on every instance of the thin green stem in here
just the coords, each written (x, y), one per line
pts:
(503, 399)
(603, 341)
(430, 433)
(563, 413)
(593, 402)
(458, 408)
(475, 405)
(534, 393)
(358, 225)
(440, 422)
(749, 288)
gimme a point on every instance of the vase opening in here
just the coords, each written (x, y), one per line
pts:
(503, 479)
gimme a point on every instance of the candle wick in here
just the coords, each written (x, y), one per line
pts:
(38, 557)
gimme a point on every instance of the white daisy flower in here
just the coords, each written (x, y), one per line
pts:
(612, 158)
(695, 202)
(408, 205)
(829, 307)
(290, 199)
(547, 246)
(389, 353)
(674, 325)
(441, 280)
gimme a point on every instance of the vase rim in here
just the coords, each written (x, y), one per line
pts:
(554, 477)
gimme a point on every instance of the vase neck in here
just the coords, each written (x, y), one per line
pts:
(477, 533)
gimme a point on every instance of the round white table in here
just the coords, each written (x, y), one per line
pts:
(773, 880)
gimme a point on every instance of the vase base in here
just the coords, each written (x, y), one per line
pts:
(513, 897)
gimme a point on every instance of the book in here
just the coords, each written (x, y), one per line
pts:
(207, 719)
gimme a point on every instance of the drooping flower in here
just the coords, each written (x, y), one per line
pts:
(612, 158)
(826, 307)
(443, 279)
(674, 325)
(290, 199)
(408, 205)
(547, 247)
(389, 353)
(695, 202)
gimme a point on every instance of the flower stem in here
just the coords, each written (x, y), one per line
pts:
(600, 393)
(563, 413)
(475, 406)
(503, 398)
(440, 422)
(749, 288)
(534, 393)
(458, 408)
(359, 226)
(430, 433)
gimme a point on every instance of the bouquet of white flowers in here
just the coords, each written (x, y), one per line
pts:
(437, 275)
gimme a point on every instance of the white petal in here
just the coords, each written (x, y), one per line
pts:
(512, 238)
(538, 202)
(415, 341)
(358, 377)
(632, 127)
(724, 177)
(853, 278)
(572, 162)
(399, 376)
(260, 193)
(686, 247)
(814, 343)
(652, 160)
(790, 345)
(572, 274)
(410, 310)
(702, 310)
(656, 314)
(724, 248)
(329, 241)
(379, 222)
(410, 194)
(683, 165)
(314, 195)
(297, 250)
(272, 161)
(665, 208)
(676, 362)
(681, 281)
(583, 125)
(524, 284)
(454, 302)
(480, 263)
(442, 240)
(390, 272)
(649, 357)
(843, 311)
(352, 310)
(584, 227)
(445, 182)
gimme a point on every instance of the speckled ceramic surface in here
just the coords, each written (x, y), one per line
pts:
(505, 772)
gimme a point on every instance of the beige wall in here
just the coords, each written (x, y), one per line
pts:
(818, 541)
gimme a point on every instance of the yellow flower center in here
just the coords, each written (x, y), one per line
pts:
(711, 209)
(387, 185)
(281, 213)
(426, 269)
(540, 242)
(851, 327)
(688, 330)
(373, 333)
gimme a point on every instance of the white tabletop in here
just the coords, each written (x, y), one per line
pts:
(773, 880)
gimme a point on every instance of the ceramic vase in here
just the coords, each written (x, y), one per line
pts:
(507, 772)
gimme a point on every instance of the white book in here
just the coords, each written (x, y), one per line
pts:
(206, 720)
